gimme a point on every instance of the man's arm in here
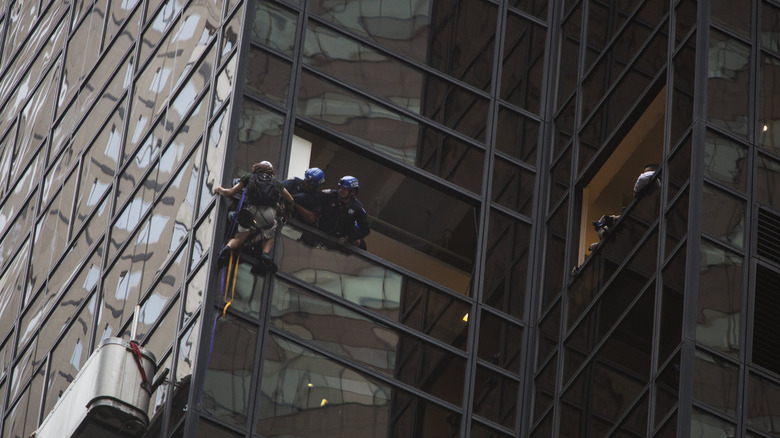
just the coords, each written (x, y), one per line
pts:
(363, 226)
(229, 193)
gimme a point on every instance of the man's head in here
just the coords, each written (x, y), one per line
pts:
(312, 179)
(652, 167)
(348, 188)
(264, 167)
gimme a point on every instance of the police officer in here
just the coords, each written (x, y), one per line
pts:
(343, 215)
(305, 191)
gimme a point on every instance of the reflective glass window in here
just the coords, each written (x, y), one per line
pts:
(161, 21)
(725, 161)
(506, 264)
(307, 394)
(517, 135)
(570, 54)
(685, 19)
(676, 223)
(35, 122)
(679, 168)
(728, 84)
(11, 290)
(230, 33)
(768, 182)
(768, 108)
(156, 302)
(495, 397)
(201, 242)
(84, 47)
(214, 151)
(770, 23)
(479, 430)
(561, 176)
(118, 14)
(564, 127)
(763, 403)
(196, 290)
(69, 355)
(259, 135)
(715, 382)
(500, 342)
(684, 66)
(377, 289)
(513, 186)
(555, 255)
(394, 81)
(723, 216)
(718, 318)
(223, 88)
(734, 15)
(358, 339)
(229, 375)
(268, 76)
(22, 419)
(523, 63)
(703, 424)
(185, 363)
(247, 293)
(274, 26)
(425, 30)
(390, 133)
(667, 389)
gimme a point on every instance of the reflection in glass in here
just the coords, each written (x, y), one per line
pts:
(768, 109)
(229, 376)
(718, 317)
(425, 30)
(376, 288)
(733, 15)
(500, 342)
(394, 81)
(667, 389)
(725, 161)
(495, 397)
(523, 63)
(506, 264)
(274, 26)
(306, 394)
(723, 216)
(267, 75)
(358, 339)
(715, 382)
(768, 181)
(390, 133)
(259, 136)
(684, 65)
(517, 135)
(728, 84)
(705, 425)
(513, 186)
(763, 403)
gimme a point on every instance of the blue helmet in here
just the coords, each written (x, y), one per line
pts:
(349, 182)
(314, 176)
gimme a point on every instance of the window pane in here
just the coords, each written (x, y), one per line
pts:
(506, 264)
(274, 27)
(377, 289)
(259, 136)
(495, 397)
(500, 342)
(763, 403)
(513, 186)
(391, 134)
(425, 30)
(394, 81)
(517, 135)
(728, 84)
(725, 161)
(768, 107)
(715, 382)
(229, 377)
(523, 63)
(358, 339)
(770, 25)
(734, 15)
(720, 299)
(723, 216)
(267, 75)
(306, 394)
(768, 182)
(706, 425)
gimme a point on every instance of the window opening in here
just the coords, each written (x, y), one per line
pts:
(612, 188)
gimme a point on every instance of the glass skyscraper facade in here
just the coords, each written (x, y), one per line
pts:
(487, 137)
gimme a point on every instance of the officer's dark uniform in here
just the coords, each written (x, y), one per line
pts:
(344, 219)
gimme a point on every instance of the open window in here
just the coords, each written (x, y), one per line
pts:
(413, 224)
(612, 187)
